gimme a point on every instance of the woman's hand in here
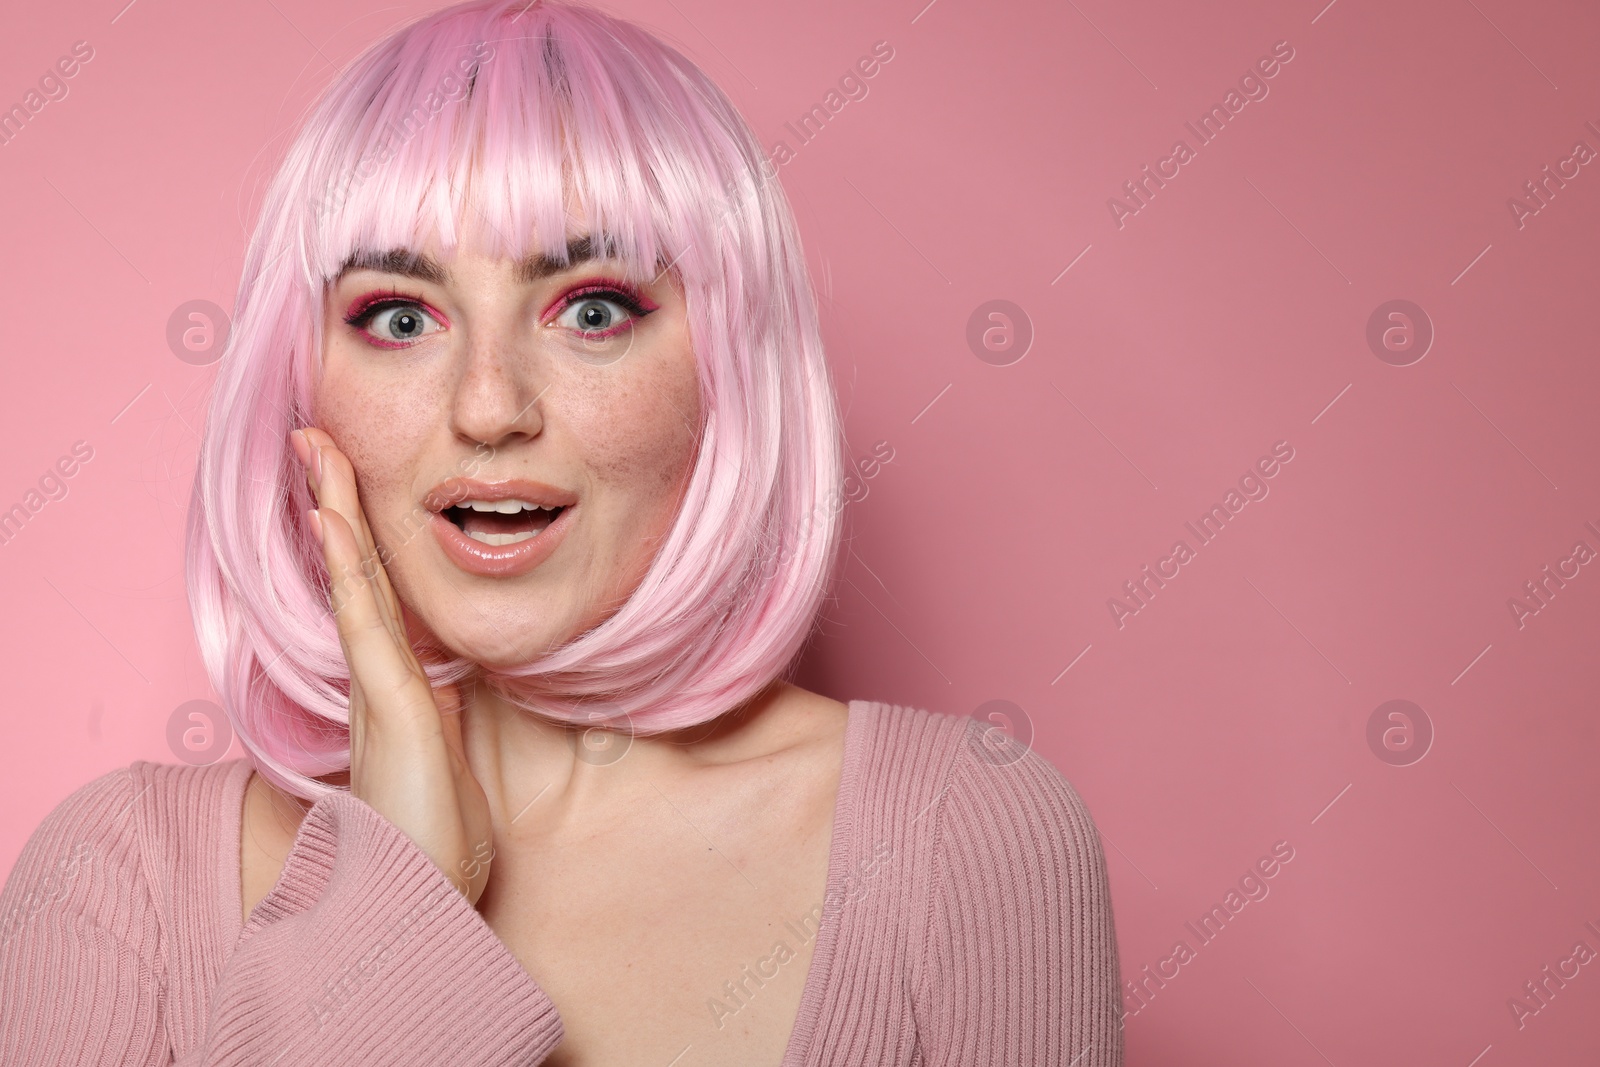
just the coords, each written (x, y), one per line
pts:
(406, 758)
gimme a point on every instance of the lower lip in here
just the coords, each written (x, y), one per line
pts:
(500, 561)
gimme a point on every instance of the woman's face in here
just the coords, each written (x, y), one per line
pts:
(476, 380)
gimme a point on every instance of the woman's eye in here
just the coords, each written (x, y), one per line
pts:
(594, 315)
(397, 322)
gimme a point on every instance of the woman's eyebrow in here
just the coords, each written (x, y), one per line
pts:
(401, 261)
(411, 264)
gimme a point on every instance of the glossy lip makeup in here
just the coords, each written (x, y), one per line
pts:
(451, 517)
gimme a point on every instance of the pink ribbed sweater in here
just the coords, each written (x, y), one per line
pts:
(967, 921)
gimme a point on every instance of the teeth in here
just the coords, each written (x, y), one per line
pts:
(498, 539)
(504, 507)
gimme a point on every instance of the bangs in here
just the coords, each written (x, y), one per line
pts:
(500, 131)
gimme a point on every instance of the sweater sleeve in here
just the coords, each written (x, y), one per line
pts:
(362, 953)
(1019, 963)
(365, 953)
(81, 947)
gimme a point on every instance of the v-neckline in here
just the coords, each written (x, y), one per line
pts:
(841, 836)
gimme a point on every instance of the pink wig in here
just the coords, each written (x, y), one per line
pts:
(530, 109)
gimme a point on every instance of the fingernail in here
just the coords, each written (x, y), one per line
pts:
(315, 520)
(316, 465)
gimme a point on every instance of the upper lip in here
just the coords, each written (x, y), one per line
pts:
(454, 490)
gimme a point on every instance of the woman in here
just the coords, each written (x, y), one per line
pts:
(526, 385)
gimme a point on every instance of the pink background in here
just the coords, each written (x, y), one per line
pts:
(1228, 314)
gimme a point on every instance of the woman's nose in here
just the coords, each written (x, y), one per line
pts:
(499, 390)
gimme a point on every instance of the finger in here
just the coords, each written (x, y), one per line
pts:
(382, 575)
(393, 692)
(391, 603)
(339, 490)
(339, 592)
(385, 589)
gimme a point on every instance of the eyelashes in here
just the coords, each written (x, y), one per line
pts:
(594, 311)
(398, 312)
(588, 302)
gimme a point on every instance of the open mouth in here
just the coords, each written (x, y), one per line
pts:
(501, 522)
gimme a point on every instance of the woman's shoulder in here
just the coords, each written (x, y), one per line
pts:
(117, 845)
(149, 787)
(990, 877)
(936, 776)
(142, 805)
(957, 835)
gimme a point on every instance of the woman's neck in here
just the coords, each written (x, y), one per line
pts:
(517, 756)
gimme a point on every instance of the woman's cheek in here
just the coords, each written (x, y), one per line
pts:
(639, 436)
(375, 429)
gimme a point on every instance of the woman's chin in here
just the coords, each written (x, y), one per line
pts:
(490, 636)
(499, 650)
